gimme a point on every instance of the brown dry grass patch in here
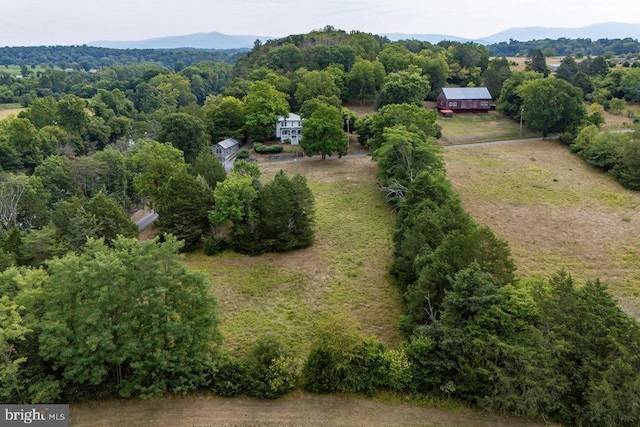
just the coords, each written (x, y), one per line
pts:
(555, 211)
(7, 110)
(301, 409)
(360, 108)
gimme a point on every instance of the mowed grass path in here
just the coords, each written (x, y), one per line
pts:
(342, 277)
(555, 211)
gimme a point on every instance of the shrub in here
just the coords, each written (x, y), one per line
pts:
(267, 149)
(230, 379)
(271, 371)
(243, 154)
(320, 371)
(342, 360)
(213, 245)
(395, 369)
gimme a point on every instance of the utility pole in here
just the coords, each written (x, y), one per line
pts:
(521, 112)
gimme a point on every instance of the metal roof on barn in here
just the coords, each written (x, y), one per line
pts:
(455, 93)
(228, 143)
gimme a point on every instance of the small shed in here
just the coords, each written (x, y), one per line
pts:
(464, 99)
(447, 114)
(225, 148)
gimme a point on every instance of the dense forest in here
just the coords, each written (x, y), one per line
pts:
(89, 57)
(87, 311)
(563, 47)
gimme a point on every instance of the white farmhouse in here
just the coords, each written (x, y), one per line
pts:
(289, 129)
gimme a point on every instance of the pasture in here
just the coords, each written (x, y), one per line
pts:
(298, 409)
(15, 69)
(555, 212)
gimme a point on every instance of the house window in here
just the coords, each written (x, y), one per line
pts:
(218, 151)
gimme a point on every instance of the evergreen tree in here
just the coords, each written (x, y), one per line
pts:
(537, 62)
(286, 211)
(183, 208)
(209, 167)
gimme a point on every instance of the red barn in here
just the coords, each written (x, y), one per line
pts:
(464, 100)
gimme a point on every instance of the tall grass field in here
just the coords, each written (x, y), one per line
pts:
(342, 277)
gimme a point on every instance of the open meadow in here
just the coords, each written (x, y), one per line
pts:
(620, 121)
(555, 212)
(342, 276)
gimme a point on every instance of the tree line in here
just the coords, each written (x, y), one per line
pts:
(541, 348)
(89, 57)
(564, 47)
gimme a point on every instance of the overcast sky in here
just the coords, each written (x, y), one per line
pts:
(65, 22)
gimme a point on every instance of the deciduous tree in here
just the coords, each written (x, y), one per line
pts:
(404, 87)
(323, 133)
(225, 118)
(186, 133)
(154, 163)
(263, 104)
(552, 105)
(144, 324)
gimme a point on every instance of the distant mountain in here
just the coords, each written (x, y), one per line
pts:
(606, 30)
(213, 40)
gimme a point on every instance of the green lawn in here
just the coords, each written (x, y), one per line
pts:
(493, 126)
(14, 69)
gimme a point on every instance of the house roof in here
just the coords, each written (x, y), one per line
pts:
(291, 117)
(466, 93)
(227, 143)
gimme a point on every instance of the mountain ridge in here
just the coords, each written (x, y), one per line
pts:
(217, 40)
(212, 40)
